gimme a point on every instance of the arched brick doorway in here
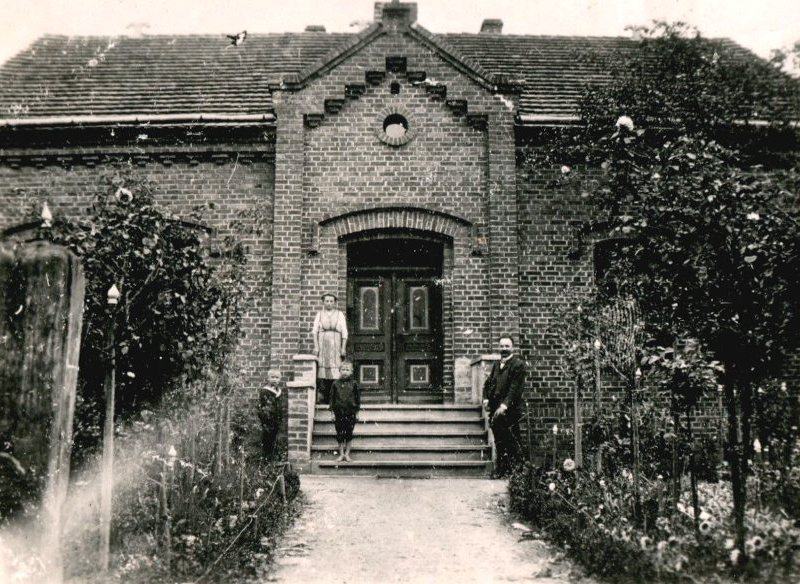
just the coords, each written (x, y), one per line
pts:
(395, 310)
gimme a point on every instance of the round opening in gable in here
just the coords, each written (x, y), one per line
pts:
(395, 126)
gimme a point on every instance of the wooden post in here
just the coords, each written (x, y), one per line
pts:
(577, 421)
(637, 500)
(597, 380)
(555, 445)
(41, 307)
(107, 478)
(528, 430)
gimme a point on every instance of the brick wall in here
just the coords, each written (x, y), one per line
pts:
(457, 165)
(233, 181)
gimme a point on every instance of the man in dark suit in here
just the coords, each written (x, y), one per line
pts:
(503, 401)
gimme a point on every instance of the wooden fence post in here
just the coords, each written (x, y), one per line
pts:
(41, 309)
(107, 478)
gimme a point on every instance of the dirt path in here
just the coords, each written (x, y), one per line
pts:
(357, 530)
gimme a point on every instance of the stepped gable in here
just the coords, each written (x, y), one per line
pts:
(65, 77)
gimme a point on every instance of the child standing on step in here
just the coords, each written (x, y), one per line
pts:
(345, 402)
(270, 411)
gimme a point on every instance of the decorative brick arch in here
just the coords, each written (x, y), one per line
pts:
(416, 218)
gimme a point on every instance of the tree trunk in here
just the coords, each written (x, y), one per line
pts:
(693, 476)
(676, 475)
(578, 423)
(637, 499)
(734, 454)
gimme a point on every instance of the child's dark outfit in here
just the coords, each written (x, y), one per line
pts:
(345, 403)
(270, 413)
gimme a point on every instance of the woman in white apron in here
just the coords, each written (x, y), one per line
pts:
(330, 342)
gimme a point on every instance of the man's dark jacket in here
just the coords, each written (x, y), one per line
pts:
(504, 386)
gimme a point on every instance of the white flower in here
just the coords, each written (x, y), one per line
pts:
(565, 169)
(661, 546)
(625, 122)
(569, 465)
(734, 556)
(704, 516)
(729, 543)
(555, 428)
(757, 446)
(259, 492)
(645, 542)
(123, 192)
(753, 216)
(552, 486)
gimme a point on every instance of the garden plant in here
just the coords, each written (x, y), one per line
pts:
(687, 161)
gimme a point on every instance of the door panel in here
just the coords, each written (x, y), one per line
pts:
(369, 307)
(418, 341)
(395, 342)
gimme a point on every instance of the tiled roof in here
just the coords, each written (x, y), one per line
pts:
(80, 77)
(83, 76)
(547, 67)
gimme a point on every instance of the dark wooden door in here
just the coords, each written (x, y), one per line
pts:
(395, 342)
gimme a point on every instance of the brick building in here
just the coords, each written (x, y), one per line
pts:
(383, 166)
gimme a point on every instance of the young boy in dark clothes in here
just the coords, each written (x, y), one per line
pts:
(270, 411)
(345, 402)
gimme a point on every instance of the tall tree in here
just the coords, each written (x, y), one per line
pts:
(695, 141)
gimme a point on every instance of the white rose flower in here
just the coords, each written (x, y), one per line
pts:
(753, 216)
(565, 169)
(552, 486)
(625, 122)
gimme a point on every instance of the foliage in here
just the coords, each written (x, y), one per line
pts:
(594, 516)
(709, 238)
(196, 503)
(177, 315)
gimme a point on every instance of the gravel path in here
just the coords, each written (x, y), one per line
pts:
(356, 529)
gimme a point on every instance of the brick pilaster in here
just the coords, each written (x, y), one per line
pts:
(287, 328)
(503, 240)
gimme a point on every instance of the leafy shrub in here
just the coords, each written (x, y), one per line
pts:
(178, 313)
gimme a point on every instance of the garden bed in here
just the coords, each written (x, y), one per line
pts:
(593, 518)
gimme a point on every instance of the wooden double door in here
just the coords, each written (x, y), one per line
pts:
(395, 324)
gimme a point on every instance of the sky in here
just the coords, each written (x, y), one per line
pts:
(760, 25)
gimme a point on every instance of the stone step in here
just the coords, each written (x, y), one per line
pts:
(415, 414)
(401, 452)
(401, 439)
(403, 468)
(323, 427)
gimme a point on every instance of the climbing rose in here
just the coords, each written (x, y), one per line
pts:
(565, 169)
(569, 465)
(552, 486)
(625, 122)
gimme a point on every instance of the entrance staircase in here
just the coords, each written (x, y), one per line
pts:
(406, 441)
